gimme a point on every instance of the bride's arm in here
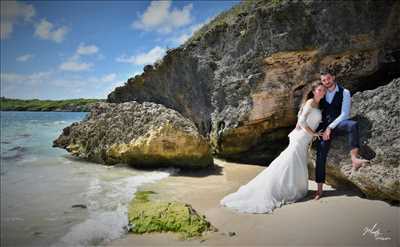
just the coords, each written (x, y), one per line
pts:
(303, 117)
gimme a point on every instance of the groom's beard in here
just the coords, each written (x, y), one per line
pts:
(331, 86)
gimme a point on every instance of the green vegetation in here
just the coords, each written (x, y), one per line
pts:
(8, 104)
(157, 216)
(276, 2)
(229, 17)
(226, 17)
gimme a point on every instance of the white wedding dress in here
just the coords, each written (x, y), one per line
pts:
(285, 180)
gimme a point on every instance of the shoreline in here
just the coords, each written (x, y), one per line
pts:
(48, 105)
(340, 218)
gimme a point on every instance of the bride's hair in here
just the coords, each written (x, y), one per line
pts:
(310, 94)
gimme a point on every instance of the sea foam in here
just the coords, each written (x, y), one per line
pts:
(108, 209)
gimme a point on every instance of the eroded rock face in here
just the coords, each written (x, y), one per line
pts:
(378, 114)
(241, 77)
(143, 135)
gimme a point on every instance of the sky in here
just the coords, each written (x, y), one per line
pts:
(84, 49)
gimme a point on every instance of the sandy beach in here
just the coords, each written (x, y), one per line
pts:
(340, 218)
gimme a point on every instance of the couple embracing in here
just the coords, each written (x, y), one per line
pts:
(323, 115)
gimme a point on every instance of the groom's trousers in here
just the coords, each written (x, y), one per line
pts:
(345, 127)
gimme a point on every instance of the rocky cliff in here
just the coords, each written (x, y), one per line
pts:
(378, 115)
(240, 78)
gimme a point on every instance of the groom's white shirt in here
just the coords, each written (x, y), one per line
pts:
(346, 105)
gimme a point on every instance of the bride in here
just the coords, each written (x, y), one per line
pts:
(285, 180)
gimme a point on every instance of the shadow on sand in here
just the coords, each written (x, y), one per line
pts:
(349, 192)
(330, 193)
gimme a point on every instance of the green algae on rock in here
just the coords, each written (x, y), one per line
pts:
(147, 216)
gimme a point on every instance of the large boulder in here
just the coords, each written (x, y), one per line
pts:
(241, 77)
(141, 134)
(378, 114)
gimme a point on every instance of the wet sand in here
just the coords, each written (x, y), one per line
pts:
(340, 218)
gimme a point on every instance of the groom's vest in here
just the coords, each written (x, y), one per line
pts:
(331, 111)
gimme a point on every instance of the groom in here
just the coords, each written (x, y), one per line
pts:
(335, 113)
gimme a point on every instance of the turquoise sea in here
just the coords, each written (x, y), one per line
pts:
(41, 184)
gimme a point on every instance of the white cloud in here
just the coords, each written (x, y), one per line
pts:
(181, 39)
(46, 30)
(125, 59)
(106, 83)
(85, 50)
(159, 17)
(24, 58)
(52, 85)
(73, 65)
(135, 73)
(15, 85)
(150, 57)
(143, 58)
(109, 78)
(12, 12)
(20, 79)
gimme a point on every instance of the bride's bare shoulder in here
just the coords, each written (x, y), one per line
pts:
(309, 102)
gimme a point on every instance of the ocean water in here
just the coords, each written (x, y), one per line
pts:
(40, 184)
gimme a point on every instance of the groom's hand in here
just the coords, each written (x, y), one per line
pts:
(327, 134)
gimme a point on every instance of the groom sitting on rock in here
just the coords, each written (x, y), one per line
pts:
(335, 113)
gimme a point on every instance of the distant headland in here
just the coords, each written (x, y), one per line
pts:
(74, 105)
